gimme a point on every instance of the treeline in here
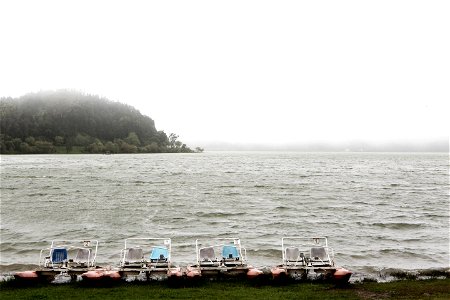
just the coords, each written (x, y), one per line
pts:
(69, 121)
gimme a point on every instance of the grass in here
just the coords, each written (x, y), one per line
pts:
(403, 289)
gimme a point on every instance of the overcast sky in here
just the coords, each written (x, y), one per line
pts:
(243, 71)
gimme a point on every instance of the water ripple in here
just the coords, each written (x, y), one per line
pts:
(378, 210)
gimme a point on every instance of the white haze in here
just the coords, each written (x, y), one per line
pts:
(244, 72)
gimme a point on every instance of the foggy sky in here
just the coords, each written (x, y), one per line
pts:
(244, 72)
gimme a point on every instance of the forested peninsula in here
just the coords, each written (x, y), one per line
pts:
(67, 121)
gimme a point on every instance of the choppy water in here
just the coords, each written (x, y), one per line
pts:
(385, 210)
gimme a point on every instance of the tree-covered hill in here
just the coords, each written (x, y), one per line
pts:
(47, 122)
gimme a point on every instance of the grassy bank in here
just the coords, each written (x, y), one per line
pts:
(404, 289)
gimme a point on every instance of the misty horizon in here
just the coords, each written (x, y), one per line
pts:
(320, 145)
(438, 145)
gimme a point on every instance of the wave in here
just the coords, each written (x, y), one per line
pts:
(228, 186)
(283, 208)
(16, 268)
(401, 240)
(401, 253)
(219, 214)
(9, 188)
(37, 194)
(139, 182)
(270, 253)
(398, 225)
(360, 202)
(232, 194)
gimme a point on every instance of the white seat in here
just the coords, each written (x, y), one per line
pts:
(319, 255)
(82, 256)
(292, 254)
(208, 257)
(134, 255)
(207, 254)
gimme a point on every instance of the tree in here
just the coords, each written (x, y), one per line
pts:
(95, 147)
(69, 144)
(111, 147)
(127, 148)
(68, 118)
(9, 147)
(152, 148)
(43, 147)
(133, 139)
(59, 140)
(17, 142)
(30, 140)
(82, 139)
(25, 148)
(173, 140)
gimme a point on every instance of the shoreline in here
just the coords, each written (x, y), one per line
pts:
(265, 279)
(383, 275)
(399, 289)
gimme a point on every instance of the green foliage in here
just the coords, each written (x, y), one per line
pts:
(176, 146)
(406, 289)
(39, 122)
(96, 147)
(82, 139)
(59, 140)
(43, 147)
(133, 139)
(111, 147)
(30, 141)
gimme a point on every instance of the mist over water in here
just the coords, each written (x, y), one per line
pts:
(379, 210)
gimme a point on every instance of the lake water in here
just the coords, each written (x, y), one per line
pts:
(378, 210)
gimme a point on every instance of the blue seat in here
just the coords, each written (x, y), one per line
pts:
(58, 255)
(159, 253)
(230, 251)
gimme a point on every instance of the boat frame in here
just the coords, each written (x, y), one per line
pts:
(84, 260)
(213, 267)
(158, 268)
(302, 256)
